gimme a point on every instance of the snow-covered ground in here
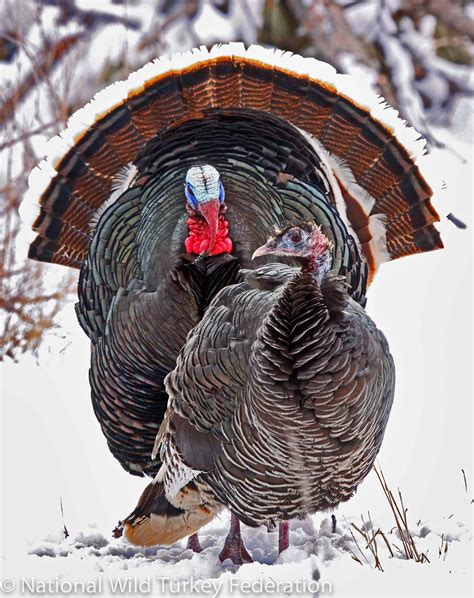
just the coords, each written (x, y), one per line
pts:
(317, 563)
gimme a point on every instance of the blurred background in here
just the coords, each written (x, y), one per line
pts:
(56, 54)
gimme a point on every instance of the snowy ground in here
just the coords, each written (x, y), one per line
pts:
(318, 563)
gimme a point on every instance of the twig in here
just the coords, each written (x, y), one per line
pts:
(90, 18)
(450, 13)
(49, 58)
(23, 136)
(371, 542)
(65, 530)
(357, 544)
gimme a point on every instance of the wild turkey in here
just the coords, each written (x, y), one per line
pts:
(288, 137)
(278, 402)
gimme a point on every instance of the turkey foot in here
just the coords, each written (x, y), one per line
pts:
(283, 536)
(194, 544)
(234, 548)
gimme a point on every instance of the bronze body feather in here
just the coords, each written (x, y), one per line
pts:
(289, 391)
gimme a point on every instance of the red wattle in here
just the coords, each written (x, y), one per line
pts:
(188, 245)
(198, 237)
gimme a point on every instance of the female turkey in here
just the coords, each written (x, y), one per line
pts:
(278, 402)
(287, 138)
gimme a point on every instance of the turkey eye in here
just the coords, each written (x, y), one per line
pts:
(295, 236)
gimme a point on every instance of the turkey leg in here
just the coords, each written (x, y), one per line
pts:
(194, 544)
(234, 548)
(283, 536)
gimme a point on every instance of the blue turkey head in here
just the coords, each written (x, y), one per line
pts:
(204, 195)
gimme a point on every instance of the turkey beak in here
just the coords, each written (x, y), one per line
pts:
(210, 212)
(266, 249)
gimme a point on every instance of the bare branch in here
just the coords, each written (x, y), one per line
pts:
(47, 61)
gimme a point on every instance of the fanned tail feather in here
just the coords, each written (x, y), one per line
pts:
(353, 125)
(156, 521)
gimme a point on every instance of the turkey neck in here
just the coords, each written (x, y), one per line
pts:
(318, 265)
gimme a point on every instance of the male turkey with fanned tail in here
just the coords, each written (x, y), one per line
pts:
(160, 190)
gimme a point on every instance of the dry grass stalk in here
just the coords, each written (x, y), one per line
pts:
(370, 537)
(369, 552)
(354, 556)
(399, 511)
(443, 549)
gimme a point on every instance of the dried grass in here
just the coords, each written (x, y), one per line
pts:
(401, 521)
(367, 539)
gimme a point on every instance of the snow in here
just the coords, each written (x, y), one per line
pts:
(210, 22)
(318, 562)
